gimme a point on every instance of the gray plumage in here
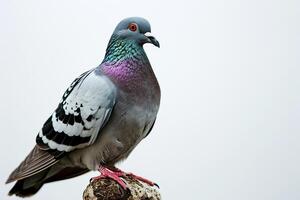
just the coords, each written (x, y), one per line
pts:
(102, 116)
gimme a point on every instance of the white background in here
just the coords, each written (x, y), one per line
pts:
(228, 126)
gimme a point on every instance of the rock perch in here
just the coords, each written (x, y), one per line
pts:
(108, 189)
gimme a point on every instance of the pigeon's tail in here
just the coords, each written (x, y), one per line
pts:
(28, 186)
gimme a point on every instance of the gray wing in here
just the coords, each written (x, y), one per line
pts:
(84, 109)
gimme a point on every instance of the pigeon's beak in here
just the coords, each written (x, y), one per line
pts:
(152, 40)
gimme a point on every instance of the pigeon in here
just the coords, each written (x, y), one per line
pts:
(101, 117)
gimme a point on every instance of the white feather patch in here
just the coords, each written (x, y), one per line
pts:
(70, 130)
(94, 95)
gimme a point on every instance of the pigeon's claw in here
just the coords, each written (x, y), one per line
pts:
(142, 179)
(115, 175)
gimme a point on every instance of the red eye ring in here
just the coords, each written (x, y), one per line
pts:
(132, 27)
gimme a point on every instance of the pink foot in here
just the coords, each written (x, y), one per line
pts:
(115, 175)
(142, 179)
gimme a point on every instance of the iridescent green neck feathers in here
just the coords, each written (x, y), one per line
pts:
(120, 49)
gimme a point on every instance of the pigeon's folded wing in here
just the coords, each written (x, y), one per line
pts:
(84, 109)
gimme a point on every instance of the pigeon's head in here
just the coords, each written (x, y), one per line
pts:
(135, 29)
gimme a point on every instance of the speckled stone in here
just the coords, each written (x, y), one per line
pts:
(108, 189)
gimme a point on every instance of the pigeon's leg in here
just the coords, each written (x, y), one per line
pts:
(142, 179)
(115, 175)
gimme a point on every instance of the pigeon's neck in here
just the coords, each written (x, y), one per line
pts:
(119, 50)
(126, 62)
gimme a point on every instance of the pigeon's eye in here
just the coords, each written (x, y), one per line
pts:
(132, 27)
